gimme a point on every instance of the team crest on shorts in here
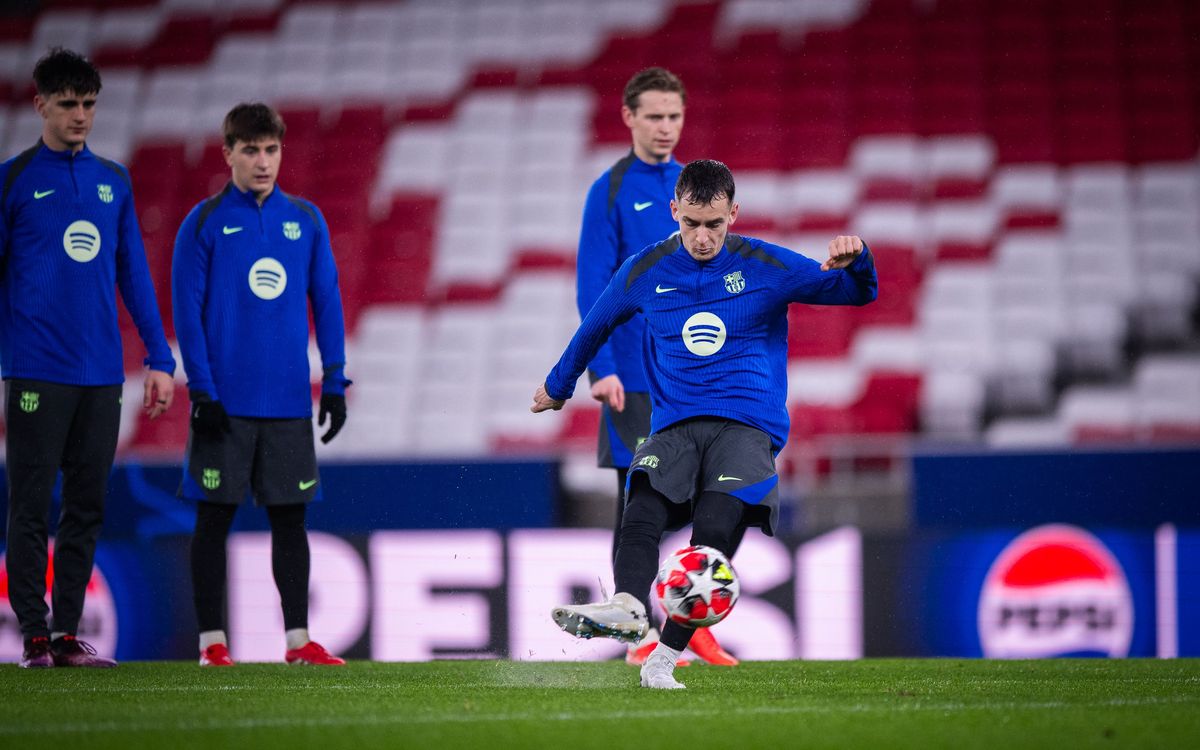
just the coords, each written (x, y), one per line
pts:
(291, 230)
(734, 282)
(29, 401)
(105, 193)
(650, 462)
(211, 479)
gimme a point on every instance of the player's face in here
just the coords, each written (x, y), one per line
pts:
(656, 124)
(66, 119)
(703, 227)
(255, 164)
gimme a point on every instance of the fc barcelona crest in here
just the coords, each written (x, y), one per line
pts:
(291, 230)
(211, 479)
(105, 193)
(734, 282)
(29, 401)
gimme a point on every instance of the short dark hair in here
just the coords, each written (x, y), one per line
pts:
(704, 181)
(652, 79)
(250, 122)
(61, 70)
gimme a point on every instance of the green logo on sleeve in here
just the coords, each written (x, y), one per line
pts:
(306, 485)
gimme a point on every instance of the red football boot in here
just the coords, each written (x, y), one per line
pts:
(216, 655)
(705, 646)
(312, 653)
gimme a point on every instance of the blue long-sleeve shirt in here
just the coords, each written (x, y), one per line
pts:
(243, 276)
(628, 207)
(69, 237)
(716, 331)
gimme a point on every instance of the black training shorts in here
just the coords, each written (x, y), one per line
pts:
(710, 454)
(272, 459)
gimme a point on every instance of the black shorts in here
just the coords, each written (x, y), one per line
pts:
(622, 432)
(273, 460)
(711, 454)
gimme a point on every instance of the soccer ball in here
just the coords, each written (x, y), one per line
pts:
(696, 586)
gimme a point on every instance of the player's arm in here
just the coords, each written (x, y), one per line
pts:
(189, 290)
(3, 222)
(617, 304)
(597, 261)
(137, 291)
(847, 277)
(325, 296)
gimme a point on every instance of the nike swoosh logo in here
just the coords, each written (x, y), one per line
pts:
(306, 485)
(234, 230)
(660, 288)
(724, 478)
(39, 194)
(642, 206)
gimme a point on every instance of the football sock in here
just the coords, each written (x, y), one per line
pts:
(621, 475)
(646, 516)
(665, 650)
(675, 636)
(56, 635)
(211, 638)
(296, 637)
(213, 521)
(290, 562)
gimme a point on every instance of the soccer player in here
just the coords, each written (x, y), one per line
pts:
(248, 261)
(68, 236)
(715, 306)
(629, 207)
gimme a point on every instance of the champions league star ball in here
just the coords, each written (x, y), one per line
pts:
(696, 587)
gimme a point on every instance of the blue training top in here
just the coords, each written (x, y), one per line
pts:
(628, 208)
(242, 278)
(69, 237)
(716, 331)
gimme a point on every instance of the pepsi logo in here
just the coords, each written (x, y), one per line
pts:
(1055, 590)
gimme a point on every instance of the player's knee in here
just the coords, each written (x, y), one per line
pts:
(286, 517)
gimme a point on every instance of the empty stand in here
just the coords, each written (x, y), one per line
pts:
(1025, 173)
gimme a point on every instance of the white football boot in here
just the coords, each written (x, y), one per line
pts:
(622, 617)
(658, 672)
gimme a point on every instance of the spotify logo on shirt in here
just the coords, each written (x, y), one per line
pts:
(82, 241)
(704, 334)
(267, 278)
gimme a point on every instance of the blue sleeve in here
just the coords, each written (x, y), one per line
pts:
(596, 263)
(616, 305)
(326, 299)
(856, 284)
(137, 290)
(3, 219)
(189, 284)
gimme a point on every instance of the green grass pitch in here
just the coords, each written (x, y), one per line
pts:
(917, 703)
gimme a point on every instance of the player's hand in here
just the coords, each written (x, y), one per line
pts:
(543, 402)
(209, 419)
(333, 406)
(609, 390)
(842, 252)
(158, 393)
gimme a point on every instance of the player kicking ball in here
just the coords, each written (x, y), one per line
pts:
(715, 306)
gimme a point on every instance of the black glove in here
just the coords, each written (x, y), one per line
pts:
(209, 419)
(333, 406)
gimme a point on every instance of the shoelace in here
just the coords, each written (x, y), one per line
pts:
(72, 643)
